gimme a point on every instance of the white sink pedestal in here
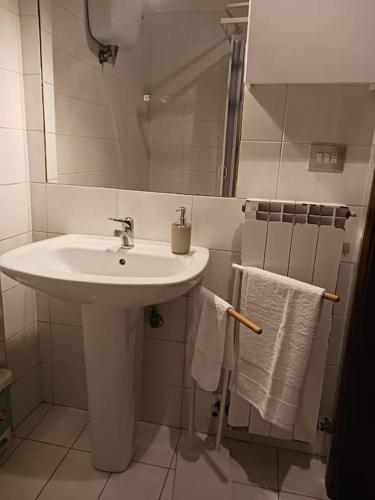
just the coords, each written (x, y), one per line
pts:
(113, 356)
(113, 285)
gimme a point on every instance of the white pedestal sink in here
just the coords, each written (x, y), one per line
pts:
(113, 285)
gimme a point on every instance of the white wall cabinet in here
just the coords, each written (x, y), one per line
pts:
(311, 41)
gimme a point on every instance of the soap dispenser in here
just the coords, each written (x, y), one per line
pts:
(181, 233)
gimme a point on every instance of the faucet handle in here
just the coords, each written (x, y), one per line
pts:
(123, 220)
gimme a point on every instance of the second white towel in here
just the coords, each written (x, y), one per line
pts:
(271, 368)
(213, 349)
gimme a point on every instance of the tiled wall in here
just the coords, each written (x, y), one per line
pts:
(279, 124)
(102, 122)
(107, 135)
(188, 87)
(86, 211)
(18, 334)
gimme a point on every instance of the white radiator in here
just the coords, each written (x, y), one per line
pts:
(303, 241)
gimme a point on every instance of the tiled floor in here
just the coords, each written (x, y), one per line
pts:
(49, 459)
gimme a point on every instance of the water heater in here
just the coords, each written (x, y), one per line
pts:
(116, 22)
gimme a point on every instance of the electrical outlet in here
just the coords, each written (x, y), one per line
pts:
(327, 157)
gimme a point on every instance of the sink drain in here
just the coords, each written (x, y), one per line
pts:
(122, 262)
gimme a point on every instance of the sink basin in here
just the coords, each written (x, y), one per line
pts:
(113, 285)
(90, 269)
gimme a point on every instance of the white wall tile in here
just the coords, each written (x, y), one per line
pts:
(36, 156)
(49, 108)
(13, 160)
(354, 229)
(39, 207)
(44, 335)
(263, 113)
(163, 362)
(33, 102)
(221, 282)
(167, 132)
(30, 45)
(169, 27)
(217, 223)
(15, 201)
(46, 15)
(18, 309)
(42, 306)
(161, 404)
(69, 386)
(174, 315)
(67, 346)
(23, 352)
(10, 41)
(25, 395)
(153, 213)
(201, 158)
(46, 382)
(65, 312)
(343, 289)
(199, 183)
(11, 100)
(337, 340)
(296, 182)
(47, 57)
(331, 378)
(330, 113)
(258, 170)
(12, 5)
(83, 212)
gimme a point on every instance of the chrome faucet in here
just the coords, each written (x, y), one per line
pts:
(126, 233)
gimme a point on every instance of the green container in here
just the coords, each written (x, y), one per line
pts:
(5, 413)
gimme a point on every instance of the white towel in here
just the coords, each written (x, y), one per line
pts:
(271, 368)
(213, 349)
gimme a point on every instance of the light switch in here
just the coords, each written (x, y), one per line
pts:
(327, 157)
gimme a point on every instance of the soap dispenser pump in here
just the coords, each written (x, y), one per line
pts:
(181, 233)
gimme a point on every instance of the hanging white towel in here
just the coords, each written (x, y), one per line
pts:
(271, 368)
(213, 348)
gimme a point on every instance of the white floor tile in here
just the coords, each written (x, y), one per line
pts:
(25, 473)
(32, 420)
(75, 478)
(202, 473)
(155, 444)
(168, 489)
(253, 464)
(138, 482)
(83, 440)
(292, 496)
(302, 474)
(246, 492)
(13, 445)
(60, 426)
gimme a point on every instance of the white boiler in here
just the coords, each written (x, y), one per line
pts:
(116, 22)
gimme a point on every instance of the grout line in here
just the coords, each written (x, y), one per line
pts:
(12, 453)
(278, 469)
(79, 435)
(37, 423)
(105, 485)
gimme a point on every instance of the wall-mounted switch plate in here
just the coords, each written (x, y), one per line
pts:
(327, 157)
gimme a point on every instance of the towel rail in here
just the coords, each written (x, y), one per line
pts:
(326, 295)
(236, 315)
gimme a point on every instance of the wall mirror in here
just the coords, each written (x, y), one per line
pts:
(165, 115)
